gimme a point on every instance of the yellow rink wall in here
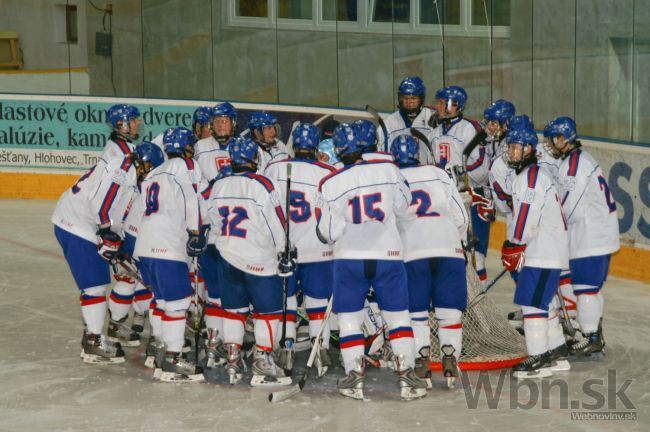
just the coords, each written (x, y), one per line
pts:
(629, 262)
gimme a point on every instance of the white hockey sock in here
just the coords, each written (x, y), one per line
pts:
(334, 322)
(535, 330)
(93, 308)
(590, 311)
(266, 329)
(156, 312)
(373, 327)
(481, 271)
(173, 324)
(292, 306)
(214, 315)
(234, 325)
(400, 334)
(141, 299)
(351, 340)
(450, 329)
(316, 312)
(569, 297)
(555, 333)
(421, 329)
(119, 302)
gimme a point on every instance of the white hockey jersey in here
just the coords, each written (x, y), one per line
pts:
(99, 197)
(396, 125)
(305, 177)
(357, 210)
(538, 220)
(449, 140)
(548, 162)
(376, 155)
(276, 152)
(117, 148)
(211, 157)
(171, 207)
(245, 213)
(158, 140)
(437, 220)
(133, 215)
(588, 205)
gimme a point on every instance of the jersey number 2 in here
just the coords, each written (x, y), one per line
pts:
(608, 197)
(423, 200)
(231, 220)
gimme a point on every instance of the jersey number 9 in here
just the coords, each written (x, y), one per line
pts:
(152, 198)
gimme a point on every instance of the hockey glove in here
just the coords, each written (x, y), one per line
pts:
(197, 243)
(484, 205)
(287, 263)
(109, 245)
(512, 256)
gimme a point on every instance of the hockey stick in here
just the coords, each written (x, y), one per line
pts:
(197, 316)
(487, 288)
(281, 395)
(285, 280)
(469, 148)
(442, 39)
(565, 313)
(130, 271)
(419, 135)
(375, 115)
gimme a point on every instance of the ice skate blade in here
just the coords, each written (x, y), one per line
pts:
(124, 343)
(234, 378)
(540, 373)
(267, 381)
(429, 383)
(411, 393)
(177, 377)
(560, 366)
(583, 358)
(322, 371)
(150, 362)
(356, 394)
(95, 359)
(281, 395)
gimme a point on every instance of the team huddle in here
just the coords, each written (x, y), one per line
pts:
(228, 237)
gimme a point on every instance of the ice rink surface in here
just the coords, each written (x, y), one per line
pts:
(44, 386)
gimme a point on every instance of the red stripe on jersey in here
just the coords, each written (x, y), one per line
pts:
(476, 124)
(574, 160)
(329, 168)
(532, 176)
(521, 220)
(479, 161)
(108, 202)
(261, 179)
(189, 163)
(123, 146)
(500, 192)
(126, 164)
(283, 221)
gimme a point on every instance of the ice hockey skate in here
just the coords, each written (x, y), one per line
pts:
(138, 321)
(265, 372)
(411, 386)
(235, 366)
(422, 369)
(322, 361)
(449, 365)
(215, 349)
(154, 348)
(559, 359)
(591, 346)
(352, 385)
(97, 349)
(285, 357)
(177, 368)
(535, 366)
(119, 331)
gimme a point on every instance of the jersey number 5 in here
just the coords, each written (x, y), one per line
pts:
(368, 203)
(303, 209)
(231, 218)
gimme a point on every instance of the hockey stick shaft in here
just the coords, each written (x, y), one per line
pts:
(419, 135)
(197, 316)
(487, 288)
(131, 272)
(384, 130)
(287, 246)
(565, 313)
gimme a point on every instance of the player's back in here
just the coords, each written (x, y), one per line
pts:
(276, 152)
(364, 200)
(170, 207)
(437, 220)
(211, 157)
(245, 213)
(305, 177)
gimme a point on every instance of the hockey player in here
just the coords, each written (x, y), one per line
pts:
(537, 248)
(593, 227)
(85, 212)
(127, 127)
(366, 132)
(211, 153)
(264, 130)
(172, 206)
(411, 113)
(449, 140)
(202, 122)
(433, 255)
(356, 212)
(245, 210)
(314, 274)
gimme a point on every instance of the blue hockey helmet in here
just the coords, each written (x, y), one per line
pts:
(243, 150)
(455, 94)
(522, 133)
(121, 113)
(500, 111)
(225, 109)
(202, 116)
(405, 150)
(564, 126)
(345, 140)
(179, 140)
(150, 152)
(327, 147)
(366, 132)
(412, 85)
(520, 121)
(305, 137)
